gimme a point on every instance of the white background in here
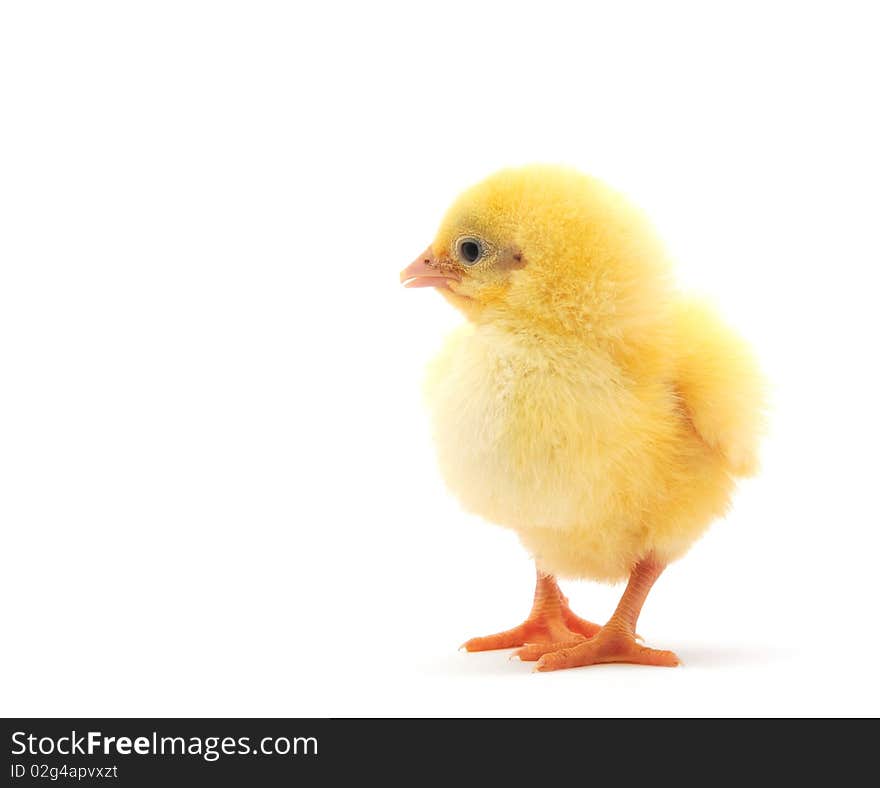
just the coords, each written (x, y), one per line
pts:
(217, 491)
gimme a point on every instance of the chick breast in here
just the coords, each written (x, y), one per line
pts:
(593, 470)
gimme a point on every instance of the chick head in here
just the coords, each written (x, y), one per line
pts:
(545, 245)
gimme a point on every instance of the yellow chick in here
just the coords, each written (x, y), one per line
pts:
(586, 403)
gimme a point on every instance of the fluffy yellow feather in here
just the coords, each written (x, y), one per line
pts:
(586, 404)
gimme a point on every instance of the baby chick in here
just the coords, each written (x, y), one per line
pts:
(586, 403)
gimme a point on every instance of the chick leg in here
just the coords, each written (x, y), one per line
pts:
(551, 621)
(616, 641)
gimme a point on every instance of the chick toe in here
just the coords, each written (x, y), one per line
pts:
(550, 623)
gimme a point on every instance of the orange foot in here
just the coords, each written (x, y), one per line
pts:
(551, 621)
(608, 645)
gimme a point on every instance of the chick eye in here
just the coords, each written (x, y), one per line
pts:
(470, 250)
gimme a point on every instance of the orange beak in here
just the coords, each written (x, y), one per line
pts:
(425, 271)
